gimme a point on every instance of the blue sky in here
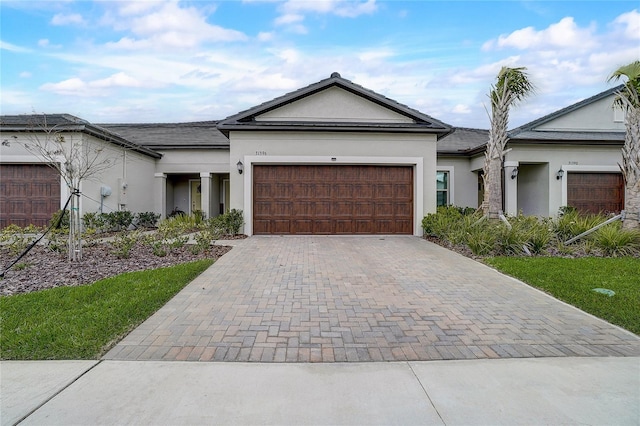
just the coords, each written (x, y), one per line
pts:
(176, 61)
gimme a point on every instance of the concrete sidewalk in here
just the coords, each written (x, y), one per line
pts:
(467, 392)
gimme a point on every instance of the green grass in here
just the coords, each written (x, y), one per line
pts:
(573, 281)
(84, 322)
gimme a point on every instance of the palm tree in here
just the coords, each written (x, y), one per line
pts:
(512, 85)
(629, 100)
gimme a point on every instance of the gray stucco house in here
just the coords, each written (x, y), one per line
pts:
(329, 158)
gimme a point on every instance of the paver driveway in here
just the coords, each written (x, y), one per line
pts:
(332, 299)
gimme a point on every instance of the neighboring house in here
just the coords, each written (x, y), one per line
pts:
(567, 158)
(31, 191)
(333, 158)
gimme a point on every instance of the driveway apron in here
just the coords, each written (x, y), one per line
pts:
(348, 299)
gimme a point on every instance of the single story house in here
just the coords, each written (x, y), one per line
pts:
(330, 158)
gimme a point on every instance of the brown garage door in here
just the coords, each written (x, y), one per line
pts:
(353, 199)
(29, 194)
(595, 192)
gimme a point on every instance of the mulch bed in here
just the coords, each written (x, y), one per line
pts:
(42, 269)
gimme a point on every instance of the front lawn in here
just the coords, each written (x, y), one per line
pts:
(83, 322)
(573, 281)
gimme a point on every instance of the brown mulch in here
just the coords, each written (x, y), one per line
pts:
(42, 269)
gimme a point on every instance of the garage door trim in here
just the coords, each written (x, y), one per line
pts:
(416, 162)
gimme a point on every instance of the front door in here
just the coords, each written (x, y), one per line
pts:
(196, 195)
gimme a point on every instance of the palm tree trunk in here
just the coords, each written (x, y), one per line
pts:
(492, 204)
(631, 168)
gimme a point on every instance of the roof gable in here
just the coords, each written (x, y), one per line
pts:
(594, 114)
(334, 104)
(314, 108)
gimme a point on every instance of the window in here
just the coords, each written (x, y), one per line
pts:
(442, 188)
(618, 114)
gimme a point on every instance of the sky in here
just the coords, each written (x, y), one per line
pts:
(181, 61)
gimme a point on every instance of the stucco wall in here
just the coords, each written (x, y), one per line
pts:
(584, 158)
(193, 161)
(598, 115)
(533, 189)
(321, 147)
(334, 105)
(465, 182)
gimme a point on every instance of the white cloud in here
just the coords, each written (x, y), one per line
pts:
(631, 20)
(265, 36)
(461, 109)
(70, 19)
(12, 47)
(165, 25)
(77, 87)
(25, 74)
(565, 34)
(290, 18)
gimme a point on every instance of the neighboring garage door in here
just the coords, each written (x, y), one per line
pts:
(328, 199)
(29, 194)
(595, 192)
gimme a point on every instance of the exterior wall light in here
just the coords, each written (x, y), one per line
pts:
(240, 167)
(559, 174)
(514, 173)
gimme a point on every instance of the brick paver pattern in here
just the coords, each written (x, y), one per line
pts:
(345, 299)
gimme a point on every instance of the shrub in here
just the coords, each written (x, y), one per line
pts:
(571, 223)
(441, 223)
(615, 241)
(233, 221)
(16, 239)
(63, 216)
(147, 219)
(123, 243)
(93, 221)
(118, 221)
(203, 242)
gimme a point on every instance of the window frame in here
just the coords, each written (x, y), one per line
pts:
(449, 190)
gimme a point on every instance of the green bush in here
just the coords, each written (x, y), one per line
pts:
(233, 221)
(123, 243)
(118, 221)
(16, 239)
(64, 221)
(147, 219)
(445, 221)
(615, 241)
(571, 223)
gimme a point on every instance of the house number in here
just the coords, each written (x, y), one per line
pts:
(261, 152)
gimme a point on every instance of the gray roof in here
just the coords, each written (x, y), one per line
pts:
(164, 136)
(245, 120)
(463, 141)
(528, 131)
(68, 123)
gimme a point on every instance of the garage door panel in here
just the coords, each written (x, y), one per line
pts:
(29, 194)
(595, 192)
(363, 208)
(344, 226)
(363, 191)
(322, 208)
(332, 199)
(303, 226)
(342, 209)
(323, 226)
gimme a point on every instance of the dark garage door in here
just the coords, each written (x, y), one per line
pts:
(595, 192)
(327, 199)
(29, 194)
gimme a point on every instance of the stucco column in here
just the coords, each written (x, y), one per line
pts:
(160, 201)
(205, 193)
(511, 187)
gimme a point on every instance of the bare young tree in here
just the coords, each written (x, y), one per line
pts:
(628, 100)
(512, 85)
(75, 158)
